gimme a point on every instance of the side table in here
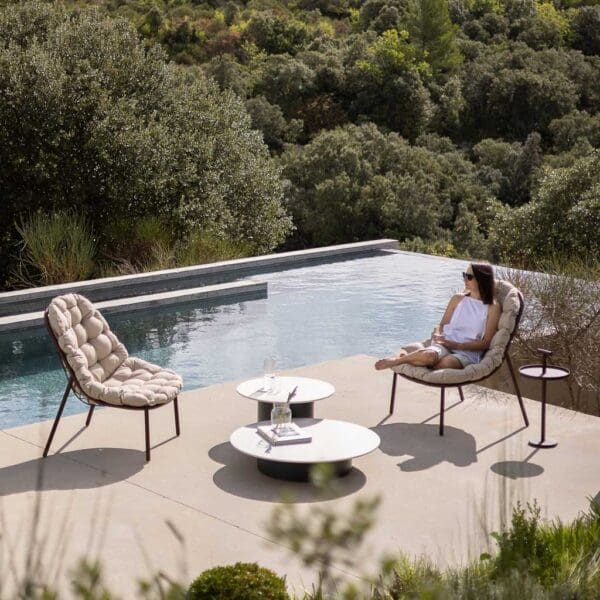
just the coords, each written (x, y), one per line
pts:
(308, 391)
(544, 373)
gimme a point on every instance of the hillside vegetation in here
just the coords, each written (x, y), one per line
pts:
(466, 127)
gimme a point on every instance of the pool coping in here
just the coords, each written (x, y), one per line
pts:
(240, 289)
(132, 285)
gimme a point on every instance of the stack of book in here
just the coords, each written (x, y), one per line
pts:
(289, 433)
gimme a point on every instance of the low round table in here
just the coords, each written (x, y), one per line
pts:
(333, 442)
(544, 373)
(309, 391)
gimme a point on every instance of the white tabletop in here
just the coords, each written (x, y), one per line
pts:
(331, 441)
(309, 390)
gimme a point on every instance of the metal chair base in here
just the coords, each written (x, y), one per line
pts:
(460, 391)
(91, 412)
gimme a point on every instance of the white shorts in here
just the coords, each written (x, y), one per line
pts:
(443, 351)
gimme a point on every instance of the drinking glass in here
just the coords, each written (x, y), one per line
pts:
(269, 374)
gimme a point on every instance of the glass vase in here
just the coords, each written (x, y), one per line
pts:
(281, 416)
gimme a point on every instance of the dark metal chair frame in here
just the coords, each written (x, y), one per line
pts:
(92, 402)
(443, 386)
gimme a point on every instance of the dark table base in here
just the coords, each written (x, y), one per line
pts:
(305, 410)
(299, 471)
(543, 443)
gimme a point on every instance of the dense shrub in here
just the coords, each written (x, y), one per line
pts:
(386, 84)
(241, 581)
(562, 314)
(95, 120)
(269, 120)
(276, 35)
(509, 170)
(573, 128)
(586, 30)
(356, 183)
(563, 218)
(524, 90)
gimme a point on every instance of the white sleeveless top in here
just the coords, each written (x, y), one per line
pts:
(468, 325)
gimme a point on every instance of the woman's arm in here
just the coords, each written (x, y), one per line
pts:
(452, 304)
(491, 326)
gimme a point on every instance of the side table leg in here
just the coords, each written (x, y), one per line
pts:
(543, 442)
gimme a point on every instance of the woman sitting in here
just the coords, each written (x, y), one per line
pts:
(466, 329)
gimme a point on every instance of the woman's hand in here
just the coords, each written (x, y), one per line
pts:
(451, 345)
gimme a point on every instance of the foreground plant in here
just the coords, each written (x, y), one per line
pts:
(324, 537)
(241, 581)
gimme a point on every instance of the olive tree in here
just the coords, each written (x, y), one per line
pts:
(563, 218)
(356, 183)
(91, 119)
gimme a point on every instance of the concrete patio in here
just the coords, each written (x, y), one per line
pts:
(199, 503)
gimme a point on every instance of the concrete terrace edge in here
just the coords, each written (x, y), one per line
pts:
(207, 292)
(270, 260)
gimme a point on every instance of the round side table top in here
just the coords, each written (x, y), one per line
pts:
(536, 372)
(309, 390)
(332, 441)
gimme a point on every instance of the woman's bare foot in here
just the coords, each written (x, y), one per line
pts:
(386, 363)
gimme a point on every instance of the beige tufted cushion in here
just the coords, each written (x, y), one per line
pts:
(103, 369)
(508, 297)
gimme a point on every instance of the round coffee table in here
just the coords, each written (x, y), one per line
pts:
(333, 442)
(309, 391)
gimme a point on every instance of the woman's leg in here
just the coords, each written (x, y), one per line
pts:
(448, 362)
(420, 358)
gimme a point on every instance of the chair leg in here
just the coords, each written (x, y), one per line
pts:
(393, 396)
(147, 425)
(516, 384)
(176, 407)
(58, 415)
(460, 392)
(90, 413)
(442, 402)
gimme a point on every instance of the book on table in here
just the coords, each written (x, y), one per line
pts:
(289, 433)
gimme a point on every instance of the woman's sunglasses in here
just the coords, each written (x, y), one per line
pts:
(468, 276)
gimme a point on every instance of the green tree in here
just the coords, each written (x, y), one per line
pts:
(573, 128)
(387, 87)
(563, 219)
(547, 28)
(523, 89)
(586, 30)
(97, 122)
(449, 104)
(286, 81)
(268, 119)
(356, 183)
(381, 15)
(434, 34)
(276, 35)
(510, 170)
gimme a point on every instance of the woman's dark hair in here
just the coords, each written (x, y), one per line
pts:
(484, 275)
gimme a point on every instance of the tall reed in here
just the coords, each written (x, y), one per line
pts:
(207, 246)
(56, 248)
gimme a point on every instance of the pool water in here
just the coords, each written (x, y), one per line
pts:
(366, 305)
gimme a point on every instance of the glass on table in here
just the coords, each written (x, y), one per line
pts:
(269, 367)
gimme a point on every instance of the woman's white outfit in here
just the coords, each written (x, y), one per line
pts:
(467, 324)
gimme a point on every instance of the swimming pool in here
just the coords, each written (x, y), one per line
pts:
(365, 305)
